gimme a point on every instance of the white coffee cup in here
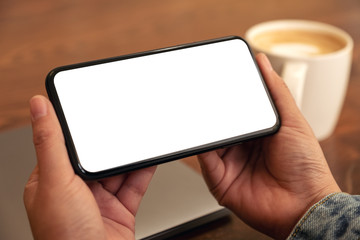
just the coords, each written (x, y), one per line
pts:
(314, 60)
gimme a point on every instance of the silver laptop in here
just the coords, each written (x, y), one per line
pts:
(177, 200)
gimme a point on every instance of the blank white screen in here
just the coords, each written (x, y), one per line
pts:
(131, 110)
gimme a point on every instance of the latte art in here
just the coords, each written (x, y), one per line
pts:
(298, 42)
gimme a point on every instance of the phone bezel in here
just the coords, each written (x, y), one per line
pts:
(53, 96)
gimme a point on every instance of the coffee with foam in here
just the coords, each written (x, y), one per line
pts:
(298, 42)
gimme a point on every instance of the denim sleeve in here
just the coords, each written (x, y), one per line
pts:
(337, 216)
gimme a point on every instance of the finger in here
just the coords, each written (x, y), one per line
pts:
(134, 187)
(113, 184)
(212, 167)
(52, 157)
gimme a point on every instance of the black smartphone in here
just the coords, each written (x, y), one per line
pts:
(134, 111)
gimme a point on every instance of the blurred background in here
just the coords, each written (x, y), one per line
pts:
(38, 35)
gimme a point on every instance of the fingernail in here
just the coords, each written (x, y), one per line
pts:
(38, 108)
(266, 62)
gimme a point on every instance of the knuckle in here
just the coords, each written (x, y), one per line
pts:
(44, 137)
(41, 136)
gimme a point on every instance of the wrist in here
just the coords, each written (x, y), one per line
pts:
(298, 219)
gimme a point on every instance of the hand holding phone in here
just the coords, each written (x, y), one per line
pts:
(138, 110)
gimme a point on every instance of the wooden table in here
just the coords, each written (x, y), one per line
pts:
(37, 35)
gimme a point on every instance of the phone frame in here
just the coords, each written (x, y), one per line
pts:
(53, 96)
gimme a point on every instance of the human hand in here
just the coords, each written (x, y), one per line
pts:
(271, 182)
(60, 205)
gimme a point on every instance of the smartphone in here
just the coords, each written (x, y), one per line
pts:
(129, 112)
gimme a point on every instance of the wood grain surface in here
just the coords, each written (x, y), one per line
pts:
(38, 35)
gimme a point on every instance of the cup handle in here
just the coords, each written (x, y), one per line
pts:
(294, 74)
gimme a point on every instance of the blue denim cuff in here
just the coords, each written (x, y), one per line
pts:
(337, 216)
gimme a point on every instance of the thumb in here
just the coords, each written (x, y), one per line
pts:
(277, 87)
(280, 93)
(290, 114)
(52, 157)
